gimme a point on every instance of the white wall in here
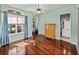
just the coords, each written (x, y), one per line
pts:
(54, 17)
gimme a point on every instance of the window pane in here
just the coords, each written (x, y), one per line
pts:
(12, 28)
(20, 28)
(12, 20)
(20, 20)
(16, 24)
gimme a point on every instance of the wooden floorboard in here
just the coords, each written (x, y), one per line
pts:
(42, 46)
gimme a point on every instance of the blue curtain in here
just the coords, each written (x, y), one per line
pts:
(4, 37)
(26, 27)
(0, 29)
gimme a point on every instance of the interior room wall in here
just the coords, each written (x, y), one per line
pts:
(54, 17)
(78, 32)
(0, 14)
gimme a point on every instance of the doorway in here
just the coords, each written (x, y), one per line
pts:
(65, 27)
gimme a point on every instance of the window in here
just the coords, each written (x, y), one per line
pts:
(15, 24)
(12, 28)
(20, 24)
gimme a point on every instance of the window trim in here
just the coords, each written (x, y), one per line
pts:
(16, 25)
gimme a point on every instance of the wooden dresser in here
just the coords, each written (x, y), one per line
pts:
(50, 30)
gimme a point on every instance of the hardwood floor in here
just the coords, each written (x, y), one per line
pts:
(39, 46)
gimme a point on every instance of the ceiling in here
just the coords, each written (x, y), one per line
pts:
(44, 7)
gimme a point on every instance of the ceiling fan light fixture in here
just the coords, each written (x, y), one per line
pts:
(38, 10)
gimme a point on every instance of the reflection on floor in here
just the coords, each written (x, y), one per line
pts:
(38, 46)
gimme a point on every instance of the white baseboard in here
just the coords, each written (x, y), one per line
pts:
(13, 41)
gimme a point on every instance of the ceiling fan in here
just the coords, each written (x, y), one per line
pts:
(38, 9)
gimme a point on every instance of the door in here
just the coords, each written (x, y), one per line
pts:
(50, 30)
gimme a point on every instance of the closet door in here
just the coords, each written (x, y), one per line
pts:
(50, 31)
